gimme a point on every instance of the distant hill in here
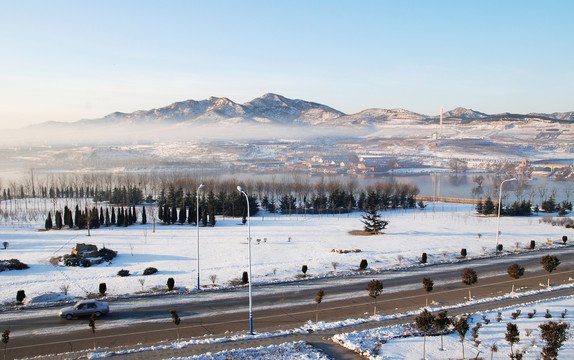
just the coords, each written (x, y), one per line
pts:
(276, 109)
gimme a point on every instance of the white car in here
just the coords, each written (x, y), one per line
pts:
(85, 308)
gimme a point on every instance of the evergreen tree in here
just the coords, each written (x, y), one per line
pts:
(554, 334)
(461, 326)
(512, 335)
(489, 207)
(107, 221)
(375, 288)
(549, 263)
(515, 271)
(212, 217)
(182, 214)
(48, 222)
(173, 215)
(58, 219)
(424, 323)
(113, 219)
(469, 278)
(372, 221)
(102, 218)
(144, 217)
(441, 322)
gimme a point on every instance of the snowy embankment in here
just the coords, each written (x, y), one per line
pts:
(281, 245)
(406, 342)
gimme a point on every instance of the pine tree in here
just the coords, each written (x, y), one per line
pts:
(512, 335)
(373, 223)
(469, 278)
(144, 216)
(554, 334)
(424, 323)
(58, 219)
(182, 214)
(515, 271)
(549, 263)
(461, 326)
(48, 222)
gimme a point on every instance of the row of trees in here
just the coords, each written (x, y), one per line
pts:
(523, 208)
(93, 218)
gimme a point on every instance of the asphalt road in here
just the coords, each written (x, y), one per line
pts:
(276, 307)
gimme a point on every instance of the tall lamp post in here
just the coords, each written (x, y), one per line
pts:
(499, 207)
(239, 188)
(197, 225)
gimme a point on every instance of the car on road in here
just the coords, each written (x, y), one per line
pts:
(85, 308)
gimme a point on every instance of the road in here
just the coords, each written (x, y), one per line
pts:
(282, 306)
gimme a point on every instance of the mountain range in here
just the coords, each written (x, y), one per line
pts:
(276, 109)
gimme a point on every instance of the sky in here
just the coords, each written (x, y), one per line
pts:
(71, 60)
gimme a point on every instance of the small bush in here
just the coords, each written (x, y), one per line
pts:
(149, 271)
(244, 278)
(103, 288)
(107, 254)
(532, 244)
(304, 269)
(424, 258)
(20, 296)
(12, 264)
(499, 247)
(363, 265)
(564, 239)
(170, 284)
(123, 273)
(463, 252)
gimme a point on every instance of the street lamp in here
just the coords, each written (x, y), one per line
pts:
(197, 225)
(240, 189)
(499, 207)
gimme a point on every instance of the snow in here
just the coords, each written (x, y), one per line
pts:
(441, 230)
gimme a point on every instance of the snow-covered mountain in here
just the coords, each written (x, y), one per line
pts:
(278, 110)
(461, 112)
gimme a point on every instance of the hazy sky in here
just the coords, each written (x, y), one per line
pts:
(69, 60)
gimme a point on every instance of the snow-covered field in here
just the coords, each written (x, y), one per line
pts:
(281, 245)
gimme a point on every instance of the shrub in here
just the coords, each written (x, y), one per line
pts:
(424, 258)
(170, 283)
(499, 247)
(463, 252)
(71, 260)
(564, 239)
(20, 296)
(363, 265)
(123, 273)
(149, 271)
(12, 264)
(304, 269)
(103, 288)
(532, 244)
(5, 244)
(244, 278)
(107, 254)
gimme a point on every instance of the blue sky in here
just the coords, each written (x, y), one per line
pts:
(69, 60)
